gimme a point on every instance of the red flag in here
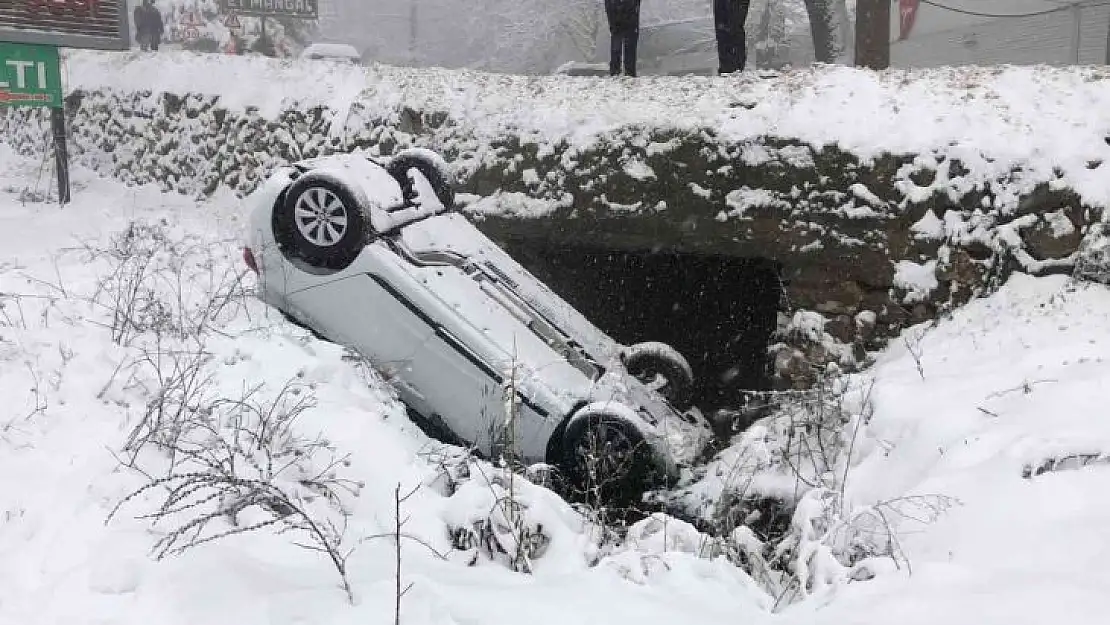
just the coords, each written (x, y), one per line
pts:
(907, 12)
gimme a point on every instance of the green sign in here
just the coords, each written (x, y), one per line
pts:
(30, 75)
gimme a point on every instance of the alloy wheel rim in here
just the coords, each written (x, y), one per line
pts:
(321, 217)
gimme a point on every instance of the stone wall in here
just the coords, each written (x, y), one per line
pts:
(865, 247)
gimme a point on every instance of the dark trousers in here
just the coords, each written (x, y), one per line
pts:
(729, 17)
(623, 46)
(149, 40)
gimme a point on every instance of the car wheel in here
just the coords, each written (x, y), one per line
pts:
(606, 459)
(662, 368)
(321, 222)
(431, 166)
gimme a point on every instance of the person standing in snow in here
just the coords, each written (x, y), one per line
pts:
(732, 50)
(139, 19)
(149, 26)
(624, 33)
(156, 26)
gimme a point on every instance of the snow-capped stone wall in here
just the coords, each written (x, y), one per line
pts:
(885, 198)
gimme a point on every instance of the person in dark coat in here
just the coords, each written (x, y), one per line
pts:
(729, 17)
(149, 26)
(139, 19)
(624, 33)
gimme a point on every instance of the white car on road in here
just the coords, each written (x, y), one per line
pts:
(370, 253)
(341, 52)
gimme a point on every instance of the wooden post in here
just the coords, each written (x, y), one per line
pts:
(1108, 51)
(873, 34)
(414, 16)
(61, 153)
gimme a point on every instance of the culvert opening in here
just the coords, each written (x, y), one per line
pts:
(720, 311)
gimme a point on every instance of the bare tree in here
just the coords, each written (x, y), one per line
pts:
(830, 26)
(873, 34)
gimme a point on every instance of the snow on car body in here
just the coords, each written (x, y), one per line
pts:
(371, 255)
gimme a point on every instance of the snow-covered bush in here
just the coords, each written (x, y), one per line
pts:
(496, 515)
(831, 541)
(775, 500)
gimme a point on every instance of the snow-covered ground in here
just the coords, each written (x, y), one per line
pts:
(1009, 386)
(957, 414)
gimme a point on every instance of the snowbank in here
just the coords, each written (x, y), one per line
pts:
(958, 470)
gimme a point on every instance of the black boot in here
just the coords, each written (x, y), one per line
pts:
(616, 46)
(630, 41)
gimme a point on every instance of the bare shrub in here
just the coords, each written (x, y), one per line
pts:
(911, 339)
(1064, 462)
(398, 535)
(183, 387)
(161, 284)
(238, 466)
(12, 314)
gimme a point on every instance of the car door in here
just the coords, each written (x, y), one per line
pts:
(362, 313)
(385, 319)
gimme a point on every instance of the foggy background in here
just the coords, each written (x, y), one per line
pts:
(540, 36)
(536, 36)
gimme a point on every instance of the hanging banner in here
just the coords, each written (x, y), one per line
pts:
(301, 9)
(907, 14)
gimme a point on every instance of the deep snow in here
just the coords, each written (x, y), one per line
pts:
(1007, 382)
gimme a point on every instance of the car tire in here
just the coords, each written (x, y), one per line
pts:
(645, 361)
(431, 166)
(321, 221)
(606, 460)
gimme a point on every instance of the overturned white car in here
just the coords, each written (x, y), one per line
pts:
(370, 253)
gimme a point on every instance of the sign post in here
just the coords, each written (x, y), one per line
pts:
(31, 31)
(61, 153)
(192, 24)
(31, 75)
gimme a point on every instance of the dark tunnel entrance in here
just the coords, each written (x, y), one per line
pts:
(719, 311)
